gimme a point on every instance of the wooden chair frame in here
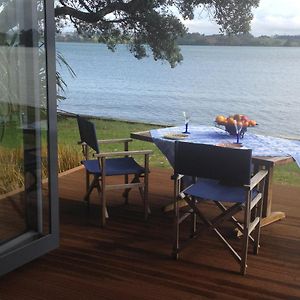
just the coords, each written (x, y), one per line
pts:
(250, 228)
(99, 182)
(85, 152)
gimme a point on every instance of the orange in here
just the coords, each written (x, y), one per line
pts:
(230, 121)
(245, 123)
(220, 119)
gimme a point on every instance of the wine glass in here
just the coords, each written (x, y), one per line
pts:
(186, 122)
(238, 129)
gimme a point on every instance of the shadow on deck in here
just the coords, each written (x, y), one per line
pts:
(130, 259)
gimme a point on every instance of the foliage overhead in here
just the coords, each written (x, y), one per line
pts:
(155, 23)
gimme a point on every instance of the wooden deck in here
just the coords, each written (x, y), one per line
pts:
(130, 259)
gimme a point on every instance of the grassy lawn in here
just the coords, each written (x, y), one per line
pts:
(287, 174)
(68, 135)
(70, 155)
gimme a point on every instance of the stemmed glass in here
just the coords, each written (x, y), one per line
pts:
(238, 129)
(186, 122)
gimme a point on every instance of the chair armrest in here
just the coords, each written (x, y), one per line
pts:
(114, 141)
(176, 177)
(257, 178)
(123, 153)
(110, 141)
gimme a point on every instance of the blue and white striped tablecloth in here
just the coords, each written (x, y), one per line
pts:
(261, 145)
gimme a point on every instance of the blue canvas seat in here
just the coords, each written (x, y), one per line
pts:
(217, 191)
(112, 164)
(219, 175)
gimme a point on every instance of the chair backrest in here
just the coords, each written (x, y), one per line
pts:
(229, 165)
(87, 133)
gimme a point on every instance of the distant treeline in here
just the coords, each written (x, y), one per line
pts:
(209, 40)
(240, 40)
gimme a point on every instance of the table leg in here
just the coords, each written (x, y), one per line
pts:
(273, 217)
(267, 201)
(269, 217)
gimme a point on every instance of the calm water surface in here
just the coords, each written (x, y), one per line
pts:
(262, 82)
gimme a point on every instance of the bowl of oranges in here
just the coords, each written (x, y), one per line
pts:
(236, 124)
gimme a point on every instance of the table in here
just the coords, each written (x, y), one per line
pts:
(259, 162)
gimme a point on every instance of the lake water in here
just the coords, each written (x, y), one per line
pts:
(261, 82)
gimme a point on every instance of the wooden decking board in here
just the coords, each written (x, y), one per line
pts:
(130, 259)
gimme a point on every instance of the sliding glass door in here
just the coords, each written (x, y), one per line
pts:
(28, 181)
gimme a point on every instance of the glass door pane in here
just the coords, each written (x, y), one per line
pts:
(24, 119)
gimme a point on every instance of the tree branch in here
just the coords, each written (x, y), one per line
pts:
(85, 6)
(92, 17)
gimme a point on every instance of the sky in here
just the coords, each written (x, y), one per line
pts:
(270, 18)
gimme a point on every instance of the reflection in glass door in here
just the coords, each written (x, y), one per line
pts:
(28, 202)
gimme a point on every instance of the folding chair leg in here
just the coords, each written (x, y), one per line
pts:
(87, 185)
(146, 205)
(90, 189)
(126, 192)
(245, 238)
(142, 193)
(104, 211)
(175, 251)
(146, 185)
(145, 196)
(103, 199)
(193, 220)
(244, 253)
(257, 230)
(100, 196)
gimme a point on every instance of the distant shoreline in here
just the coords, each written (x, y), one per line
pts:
(73, 115)
(194, 45)
(197, 39)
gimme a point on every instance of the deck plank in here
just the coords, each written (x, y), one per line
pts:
(130, 259)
